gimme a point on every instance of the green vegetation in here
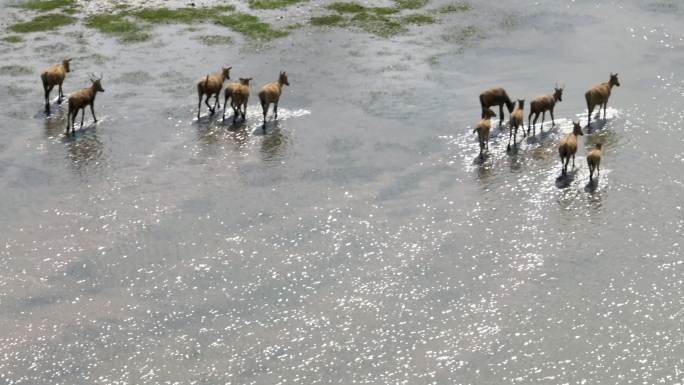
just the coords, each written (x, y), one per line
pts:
(350, 7)
(13, 39)
(45, 5)
(328, 20)
(118, 25)
(15, 70)
(410, 4)
(180, 15)
(215, 40)
(42, 23)
(454, 7)
(379, 25)
(272, 4)
(418, 18)
(249, 26)
(463, 35)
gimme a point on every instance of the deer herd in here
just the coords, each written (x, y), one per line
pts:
(208, 86)
(238, 94)
(596, 96)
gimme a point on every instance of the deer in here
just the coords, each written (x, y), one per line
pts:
(212, 85)
(482, 129)
(82, 98)
(270, 93)
(568, 147)
(54, 76)
(594, 161)
(495, 97)
(541, 104)
(517, 120)
(598, 96)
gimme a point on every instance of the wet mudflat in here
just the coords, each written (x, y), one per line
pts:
(358, 239)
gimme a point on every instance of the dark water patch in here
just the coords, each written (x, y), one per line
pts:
(272, 4)
(15, 70)
(41, 23)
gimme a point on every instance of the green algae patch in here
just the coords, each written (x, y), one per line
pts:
(13, 39)
(418, 19)
(379, 25)
(43, 23)
(180, 15)
(250, 26)
(215, 40)
(45, 5)
(328, 20)
(346, 7)
(118, 25)
(454, 7)
(410, 4)
(463, 35)
(272, 4)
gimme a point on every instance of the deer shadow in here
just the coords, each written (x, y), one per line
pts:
(565, 180)
(592, 185)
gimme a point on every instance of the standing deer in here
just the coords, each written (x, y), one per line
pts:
(211, 85)
(517, 120)
(598, 96)
(240, 99)
(568, 147)
(270, 93)
(541, 104)
(482, 129)
(54, 76)
(82, 98)
(496, 97)
(594, 161)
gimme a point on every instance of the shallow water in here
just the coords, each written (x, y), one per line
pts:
(358, 239)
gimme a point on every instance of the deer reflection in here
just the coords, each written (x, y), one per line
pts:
(84, 151)
(274, 145)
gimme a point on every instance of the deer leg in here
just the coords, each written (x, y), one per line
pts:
(244, 113)
(264, 107)
(61, 94)
(206, 101)
(553, 121)
(82, 117)
(510, 136)
(92, 111)
(68, 116)
(216, 102)
(275, 109)
(541, 128)
(534, 124)
(501, 115)
(604, 109)
(199, 106)
(573, 161)
(225, 106)
(529, 122)
(236, 111)
(590, 109)
(47, 98)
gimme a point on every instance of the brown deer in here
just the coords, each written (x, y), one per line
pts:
(482, 129)
(240, 99)
(270, 93)
(541, 104)
(598, 96)
(517, 120)
(594, 161)
(568, 147)
(496, 97)
(54, 76)
(211, 85)
(228, 94)
(82, 98)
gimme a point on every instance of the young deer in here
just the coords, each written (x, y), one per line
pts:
(482, 129)
(211, 85)
(568, 147)
(54, 76)
(594, 161)
(496, 97)
(270, 93)
(80, 99)
(517, 120)
(598, 96)
(541, 104)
